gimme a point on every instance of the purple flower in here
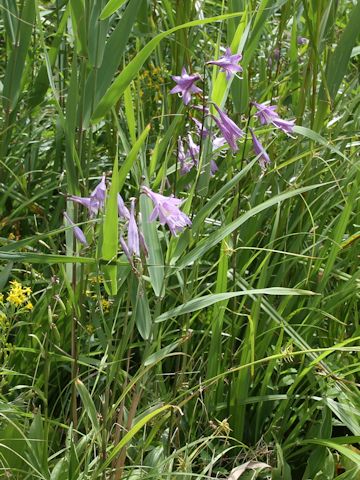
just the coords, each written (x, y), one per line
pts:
(200, 129)
(79, 235)
(213, 167)
(126, 249)
(186, 85)
(286, 126)
(92, 204)
(228, 63)
(99, 193)
(167, 209)
(267, 114)
(276, 53)
(264, 159)
(230, 131)
(143, 245)
(123, 211)
(184, 159)
(133, 232)
(301, 40)
(218, 142)
(202, 108)
(194, 149)
(96, 200)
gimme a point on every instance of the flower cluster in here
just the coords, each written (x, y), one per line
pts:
(230, 133)
(165, 208)
(220, 130)
(18, 296)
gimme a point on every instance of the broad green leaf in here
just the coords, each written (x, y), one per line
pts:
(110, 8)
(161, 354)
(78, 17)
(155, 260)
(207, 300)
(37, 444)
(141, 308)
(110, 243)
(89, 405)
(114, 93)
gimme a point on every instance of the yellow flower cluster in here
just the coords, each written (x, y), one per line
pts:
(105, 304)
(97, 279)
(153, 79)
(18, 295)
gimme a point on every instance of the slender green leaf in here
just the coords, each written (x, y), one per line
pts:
(207, 300)
(110, 8)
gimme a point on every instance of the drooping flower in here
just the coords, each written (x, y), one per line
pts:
(92, 204)
(218, 142)
(99, 192)
(185, 162)
(228, 63)
(286, 126)
(79, 234)
(230, 131)
(194, 149)
(267, 114)
(264, 159)
(167, 210)
(126, 249)
(133, 232)
(202, 108)
(186, 85)
(200, 129)
(143, 244)
(96, 200)
(213, 167)
(123, 211)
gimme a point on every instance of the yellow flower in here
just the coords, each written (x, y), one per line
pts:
(105, 305)
(16, 298)
(18, 294)
(29, 306)
(90, 329)
(97, 279)
(1, 298)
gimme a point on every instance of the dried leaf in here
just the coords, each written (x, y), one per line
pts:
(238, 471)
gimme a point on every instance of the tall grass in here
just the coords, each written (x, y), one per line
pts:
(236, 341)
